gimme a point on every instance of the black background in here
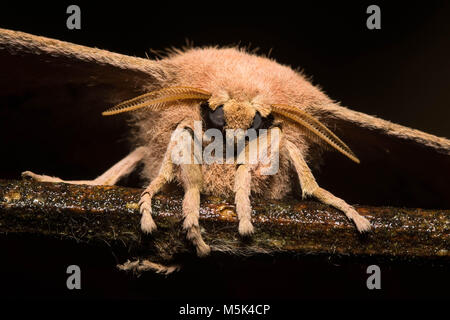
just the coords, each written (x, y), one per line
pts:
(399, 73)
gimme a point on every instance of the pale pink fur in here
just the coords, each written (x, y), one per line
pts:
(252, 82)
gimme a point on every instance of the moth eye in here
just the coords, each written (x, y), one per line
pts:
(261, 123)
(257, 121)
(216, 117)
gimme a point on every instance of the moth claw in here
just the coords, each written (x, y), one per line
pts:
(362, 224)
(203, 250)
(145, 208)
(28, 175)
(245, 228)
(147, 223)
(194, 235)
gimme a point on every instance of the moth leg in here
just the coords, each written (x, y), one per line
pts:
(310, 187)
(243, 178)
(242, 199)
(110, 177)
(165, 175)
(191, 176)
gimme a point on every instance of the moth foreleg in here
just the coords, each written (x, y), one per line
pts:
(110, 177)
(242, 199)
(165, 175)
(191, 176)
(310, 187)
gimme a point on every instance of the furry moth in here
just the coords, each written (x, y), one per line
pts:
(227, 89)
(245, 89)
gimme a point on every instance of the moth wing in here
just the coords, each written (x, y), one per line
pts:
(399, 166)
(34, 63)
(52, 94)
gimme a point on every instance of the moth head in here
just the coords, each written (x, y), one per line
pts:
(234, 114)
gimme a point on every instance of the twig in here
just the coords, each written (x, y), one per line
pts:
(110, 214)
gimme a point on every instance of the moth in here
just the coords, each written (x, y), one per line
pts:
(223, 88)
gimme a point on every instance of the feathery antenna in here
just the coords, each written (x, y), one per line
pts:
(157, 99)
(315, 126)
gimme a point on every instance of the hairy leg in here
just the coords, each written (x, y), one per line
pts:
(165, 175)
(310, 187)
(243, 178)
(110, 177)
(242, 199)
(191, 176)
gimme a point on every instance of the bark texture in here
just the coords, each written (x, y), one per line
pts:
(103, 213)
